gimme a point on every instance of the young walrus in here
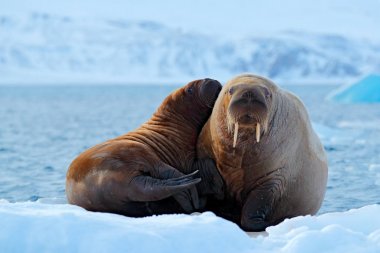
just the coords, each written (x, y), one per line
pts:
(272, 162)
(130, 174)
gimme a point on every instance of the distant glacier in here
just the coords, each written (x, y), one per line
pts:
(41, 47)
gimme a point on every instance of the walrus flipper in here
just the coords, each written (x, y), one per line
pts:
(152, 189)
(188, 199)
(258, 209)
(182, 187)
(212, 182)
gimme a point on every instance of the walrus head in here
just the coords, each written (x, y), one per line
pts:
(247, 101)
(194, 101)
(203, 92)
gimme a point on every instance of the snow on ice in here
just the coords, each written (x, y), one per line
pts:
(39, 227)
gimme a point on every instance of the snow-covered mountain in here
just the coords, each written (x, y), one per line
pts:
(42, 47)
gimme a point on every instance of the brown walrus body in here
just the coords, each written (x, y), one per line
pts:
(272, 162)
(143, 172)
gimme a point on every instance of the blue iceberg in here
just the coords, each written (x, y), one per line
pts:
(367, 90)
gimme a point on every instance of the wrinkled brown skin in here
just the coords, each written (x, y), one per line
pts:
(143, 172)
(284, 174)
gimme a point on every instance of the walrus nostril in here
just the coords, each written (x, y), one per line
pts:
(248, 94)
(252, 96)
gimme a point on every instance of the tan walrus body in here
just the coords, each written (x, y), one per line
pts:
(143, 172)
(273, 164)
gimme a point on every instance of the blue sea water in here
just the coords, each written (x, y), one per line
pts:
(43, 128)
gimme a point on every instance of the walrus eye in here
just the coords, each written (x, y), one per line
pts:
(189, 90)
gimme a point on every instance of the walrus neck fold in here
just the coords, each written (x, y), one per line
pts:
(272, 126)
(184, 116)
(170, 134)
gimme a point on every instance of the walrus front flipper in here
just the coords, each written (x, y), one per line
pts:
(212, 182)
(257, 212)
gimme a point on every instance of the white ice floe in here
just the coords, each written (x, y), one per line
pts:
(367, 90)
(38, 227)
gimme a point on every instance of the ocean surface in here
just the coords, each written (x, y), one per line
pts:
(43, 128)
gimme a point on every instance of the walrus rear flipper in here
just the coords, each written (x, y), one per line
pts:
(188, 199)
(146, 188)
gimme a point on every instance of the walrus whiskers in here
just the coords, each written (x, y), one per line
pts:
(236, 134)
(258, 132)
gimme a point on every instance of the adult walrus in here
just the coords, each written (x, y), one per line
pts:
(272, 162)
(136, 173)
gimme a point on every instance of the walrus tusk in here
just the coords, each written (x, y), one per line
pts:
(236, 133)
(258, 132)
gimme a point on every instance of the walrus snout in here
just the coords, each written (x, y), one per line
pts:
(209, 91)
(248, 105)
(251, 96)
